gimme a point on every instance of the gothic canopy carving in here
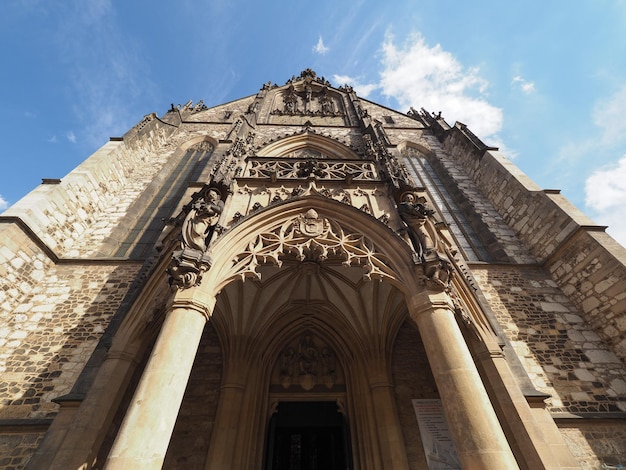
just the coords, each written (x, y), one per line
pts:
(312, 237)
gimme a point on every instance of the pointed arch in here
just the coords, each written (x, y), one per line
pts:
(188, 144)
(345, 233)
(421, 147)
(326, 146)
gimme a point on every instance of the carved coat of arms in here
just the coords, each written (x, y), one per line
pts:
(311, 224)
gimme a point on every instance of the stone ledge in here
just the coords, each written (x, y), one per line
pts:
(21, 426)
(11, 219)
(569, 239)
(564, 417)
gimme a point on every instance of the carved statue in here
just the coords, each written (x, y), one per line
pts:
(291, 100)
(414, 213)
(201, 220)
(326, 102)
(307, 356)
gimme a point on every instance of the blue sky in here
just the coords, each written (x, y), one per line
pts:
(545, 81)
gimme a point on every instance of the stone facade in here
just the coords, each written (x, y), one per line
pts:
(304, 280)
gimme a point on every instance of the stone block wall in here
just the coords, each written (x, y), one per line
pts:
(77, 216)
(47, 339)
(74, 216)
(52, 315)
(591, 268)
(586, 263)
(598, 444)
(16, 448)
(563, 356)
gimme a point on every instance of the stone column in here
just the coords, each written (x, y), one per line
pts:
(478, 436)
(225, 439)
(387, 423)
(147, 427)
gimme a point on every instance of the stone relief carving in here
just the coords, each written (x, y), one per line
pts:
(414, 213)
(198, 228)
(422, 236)
(290, 101)
(392, 168)
(306, 153)
(298, 168)
(230, 165)
(201, 220)
(204, 146)
(310, 98)
(308, 363)
(327, 104)
(312, 237)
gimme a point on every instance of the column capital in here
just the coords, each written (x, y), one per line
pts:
(427, 300)
(194, 299)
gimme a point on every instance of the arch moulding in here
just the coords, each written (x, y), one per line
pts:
(310, 228)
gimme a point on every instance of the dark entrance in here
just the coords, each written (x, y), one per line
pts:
(307, 436)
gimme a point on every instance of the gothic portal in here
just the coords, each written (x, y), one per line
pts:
(304, 279)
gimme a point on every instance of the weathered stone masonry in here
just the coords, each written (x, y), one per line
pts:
(76, 253)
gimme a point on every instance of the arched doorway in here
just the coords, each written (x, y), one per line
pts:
(313, 264)
(307, 435)
(320, 287)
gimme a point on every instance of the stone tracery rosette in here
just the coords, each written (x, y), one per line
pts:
(302, 168)
(311, 237)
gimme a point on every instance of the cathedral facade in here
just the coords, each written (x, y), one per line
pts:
(305, 279)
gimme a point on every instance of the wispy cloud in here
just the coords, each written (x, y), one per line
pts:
(3, 203)
(320, 48)
(362, 89)
(53, 139)
(523, 84)
(420, 75)
(605, 189)
(605, 192)
(610, 116)
(106, 70)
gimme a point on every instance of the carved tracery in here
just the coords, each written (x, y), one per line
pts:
(310, 236)
(303, 168)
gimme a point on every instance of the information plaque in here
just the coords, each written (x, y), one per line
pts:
(436, 438)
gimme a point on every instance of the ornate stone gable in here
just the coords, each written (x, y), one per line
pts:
(312, 237)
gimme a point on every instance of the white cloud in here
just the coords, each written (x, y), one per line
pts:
(320, 48)
(3, 203)
(361, 89)
(526, 86)
(53, 139)
(610, 116)
(418, 75)
(605, 193)
(71, 137)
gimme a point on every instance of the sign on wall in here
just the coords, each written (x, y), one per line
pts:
(436, 439)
